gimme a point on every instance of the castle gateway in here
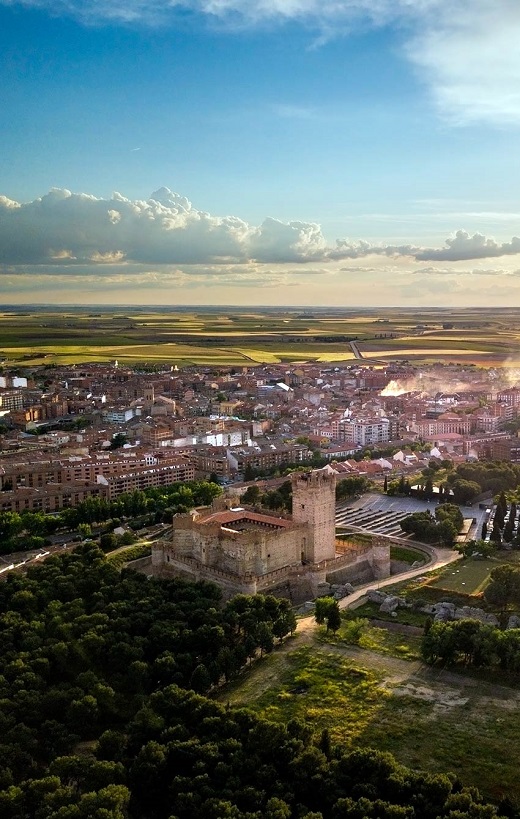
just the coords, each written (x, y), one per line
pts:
(248, 551)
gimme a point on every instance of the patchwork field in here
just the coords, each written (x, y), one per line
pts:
(237, 336)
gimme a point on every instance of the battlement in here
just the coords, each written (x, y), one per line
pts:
(314, 479)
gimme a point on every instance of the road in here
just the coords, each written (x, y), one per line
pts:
(355, 350)
(439, 558)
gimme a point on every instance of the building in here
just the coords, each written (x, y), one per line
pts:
(141, 478)
(362, 431)
(248, 551)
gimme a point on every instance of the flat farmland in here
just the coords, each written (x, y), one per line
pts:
(240, 336)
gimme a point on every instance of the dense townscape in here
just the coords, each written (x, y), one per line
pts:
(70, 433)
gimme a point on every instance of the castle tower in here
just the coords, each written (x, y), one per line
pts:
(314, 503)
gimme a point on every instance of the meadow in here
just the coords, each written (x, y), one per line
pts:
(230, 336)
(381, 696)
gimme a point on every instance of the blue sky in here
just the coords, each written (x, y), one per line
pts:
(324, 147)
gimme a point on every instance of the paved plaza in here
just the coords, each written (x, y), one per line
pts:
(382, 514)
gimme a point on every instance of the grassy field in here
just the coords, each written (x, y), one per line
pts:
(371, 700)
(471, 576)
(236, 336)
(406, 555)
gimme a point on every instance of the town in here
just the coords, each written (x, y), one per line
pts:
(70, 433)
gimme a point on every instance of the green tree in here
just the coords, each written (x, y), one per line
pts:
(504, 587)
(465, 491)
(85, 530)
(327, 611)
(334, 618)
(252, 495)
(118, 440)
(508, 530)
(200, 680)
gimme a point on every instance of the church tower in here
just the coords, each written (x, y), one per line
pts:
(314, 503)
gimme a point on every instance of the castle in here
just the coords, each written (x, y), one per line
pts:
(249, 551)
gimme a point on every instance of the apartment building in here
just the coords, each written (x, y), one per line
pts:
(272, 455)
(147, 477)
(38, 472)
(447, 423)
(362, 431)
(50, 498)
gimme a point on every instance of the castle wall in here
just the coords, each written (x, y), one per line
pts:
(248, 552)
(359, 571)
(293, 560)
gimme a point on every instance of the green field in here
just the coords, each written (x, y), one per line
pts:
(236, 336)
(471, 576)
(366, 698)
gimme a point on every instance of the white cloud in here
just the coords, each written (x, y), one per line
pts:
(440, 271)
(463, 246)
(165, 229)
(469, 56)
(80, 230)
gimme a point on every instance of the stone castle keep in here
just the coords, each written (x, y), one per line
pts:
(249, 551)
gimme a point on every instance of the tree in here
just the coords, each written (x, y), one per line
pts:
(496, 535)
(451, 512)
(327, 611)
(118, 440)
(249, 473)
(428, 489)
(481, 547)
(85, 530)
(508, 530)
(504, 587)
(321, 609)
(200, 680)
(446, 532)
(334, 618)
(348, 487)
(465, 491)
(10, 524)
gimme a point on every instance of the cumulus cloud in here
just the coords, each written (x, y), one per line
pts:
(164, 229)
(463, 246)
(466, 50)
(78, 229)
(347, 249)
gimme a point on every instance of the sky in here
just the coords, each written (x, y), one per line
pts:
(260, 152)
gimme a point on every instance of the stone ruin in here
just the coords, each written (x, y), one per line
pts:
(443, 611)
